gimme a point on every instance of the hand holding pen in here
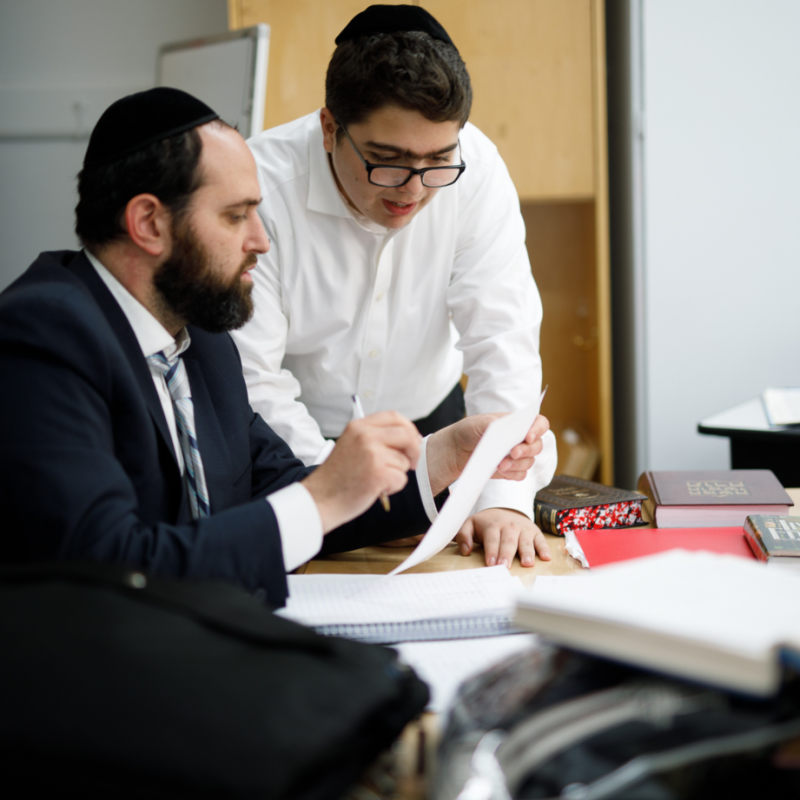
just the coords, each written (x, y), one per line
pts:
(358, 413)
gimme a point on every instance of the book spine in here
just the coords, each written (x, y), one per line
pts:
(546, 517)
(754, 540)
(646, 486)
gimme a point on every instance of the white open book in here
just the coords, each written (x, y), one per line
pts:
(714, 618)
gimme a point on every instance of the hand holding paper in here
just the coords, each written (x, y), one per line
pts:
(450, 449)
(505, 448)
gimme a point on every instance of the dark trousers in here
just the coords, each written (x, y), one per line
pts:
(450, 410)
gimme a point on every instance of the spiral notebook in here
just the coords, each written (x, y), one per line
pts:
(405, 608)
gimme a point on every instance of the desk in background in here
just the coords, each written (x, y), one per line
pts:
(754, 443)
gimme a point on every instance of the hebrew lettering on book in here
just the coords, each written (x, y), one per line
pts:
(716, 488)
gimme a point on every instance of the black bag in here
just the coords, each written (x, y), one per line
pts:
(552, 723)
(118, 685)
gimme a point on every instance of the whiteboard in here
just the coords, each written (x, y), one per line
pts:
(227, 72)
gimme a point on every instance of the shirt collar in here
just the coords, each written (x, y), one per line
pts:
(324, 195)
(152, 336)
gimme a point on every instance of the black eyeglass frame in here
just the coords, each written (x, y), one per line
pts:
(412, 171)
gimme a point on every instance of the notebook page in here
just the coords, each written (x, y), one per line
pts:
(330, 599)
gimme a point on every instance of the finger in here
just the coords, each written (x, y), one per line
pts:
(391, 480)
(540, 426)
(491, 543)
(464, 537)
(526, 450)
(516, 473)
(390, 445)
(527, 551)
(541, 546)
(510, 535)
(509, 466)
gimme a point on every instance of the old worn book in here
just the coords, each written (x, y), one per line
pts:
(775, 540)
(717, 619)
(569, 504)
(706, 499)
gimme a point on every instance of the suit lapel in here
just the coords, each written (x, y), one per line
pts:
(128, 342)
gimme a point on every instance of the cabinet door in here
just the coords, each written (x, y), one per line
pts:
(531, 67)
(302, 34)
(530, 62)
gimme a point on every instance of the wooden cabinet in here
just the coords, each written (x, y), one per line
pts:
(538, 71)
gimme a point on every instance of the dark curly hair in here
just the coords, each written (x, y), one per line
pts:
(409, 69)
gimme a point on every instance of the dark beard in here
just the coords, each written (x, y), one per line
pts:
(194, 293)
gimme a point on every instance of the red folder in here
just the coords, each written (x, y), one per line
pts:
(607, 546)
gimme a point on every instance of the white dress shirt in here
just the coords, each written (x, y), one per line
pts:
(345, 306)
(298, 519)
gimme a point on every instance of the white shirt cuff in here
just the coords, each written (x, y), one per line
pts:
(299, 524)
(425, 493)
(519, 495)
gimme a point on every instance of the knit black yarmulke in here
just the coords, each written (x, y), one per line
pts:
(392, 19)
(136, 121)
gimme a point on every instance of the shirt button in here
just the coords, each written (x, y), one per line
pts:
(260, 594)
(373, 353)
(368, 393)
(379, 298)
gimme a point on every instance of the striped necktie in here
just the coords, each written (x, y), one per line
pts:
(174, 372)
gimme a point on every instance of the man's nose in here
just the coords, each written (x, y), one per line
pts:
(258, 241)
(414, 186)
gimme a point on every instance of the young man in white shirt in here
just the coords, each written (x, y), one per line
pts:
(397, 262)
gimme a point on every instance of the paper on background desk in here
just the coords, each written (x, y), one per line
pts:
(495, 444)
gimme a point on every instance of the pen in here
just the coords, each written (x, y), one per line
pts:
(358, 413)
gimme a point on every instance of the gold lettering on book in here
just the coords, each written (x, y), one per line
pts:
(716, 488)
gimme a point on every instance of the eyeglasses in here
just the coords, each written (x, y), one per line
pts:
(384, 175)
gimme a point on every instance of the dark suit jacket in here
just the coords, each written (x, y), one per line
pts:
(87, 469)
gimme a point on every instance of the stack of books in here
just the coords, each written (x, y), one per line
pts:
(722, 498)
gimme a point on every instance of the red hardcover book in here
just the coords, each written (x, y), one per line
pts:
(719, 498)
(607, 546)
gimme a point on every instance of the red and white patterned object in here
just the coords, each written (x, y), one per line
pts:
(610, 515)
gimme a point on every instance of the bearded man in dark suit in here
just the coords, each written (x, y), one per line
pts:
(125, 430)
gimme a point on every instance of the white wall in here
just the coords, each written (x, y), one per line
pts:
(720, 264)
(62, 62)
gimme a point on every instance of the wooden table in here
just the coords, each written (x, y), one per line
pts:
(380, 560)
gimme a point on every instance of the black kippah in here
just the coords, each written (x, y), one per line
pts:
(136, 121)
(392, 19)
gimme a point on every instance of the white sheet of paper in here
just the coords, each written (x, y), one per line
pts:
(494, 446)
(341, 598)
(444, 665)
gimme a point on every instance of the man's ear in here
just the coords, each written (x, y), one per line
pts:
(147, 222)
(329, 127)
